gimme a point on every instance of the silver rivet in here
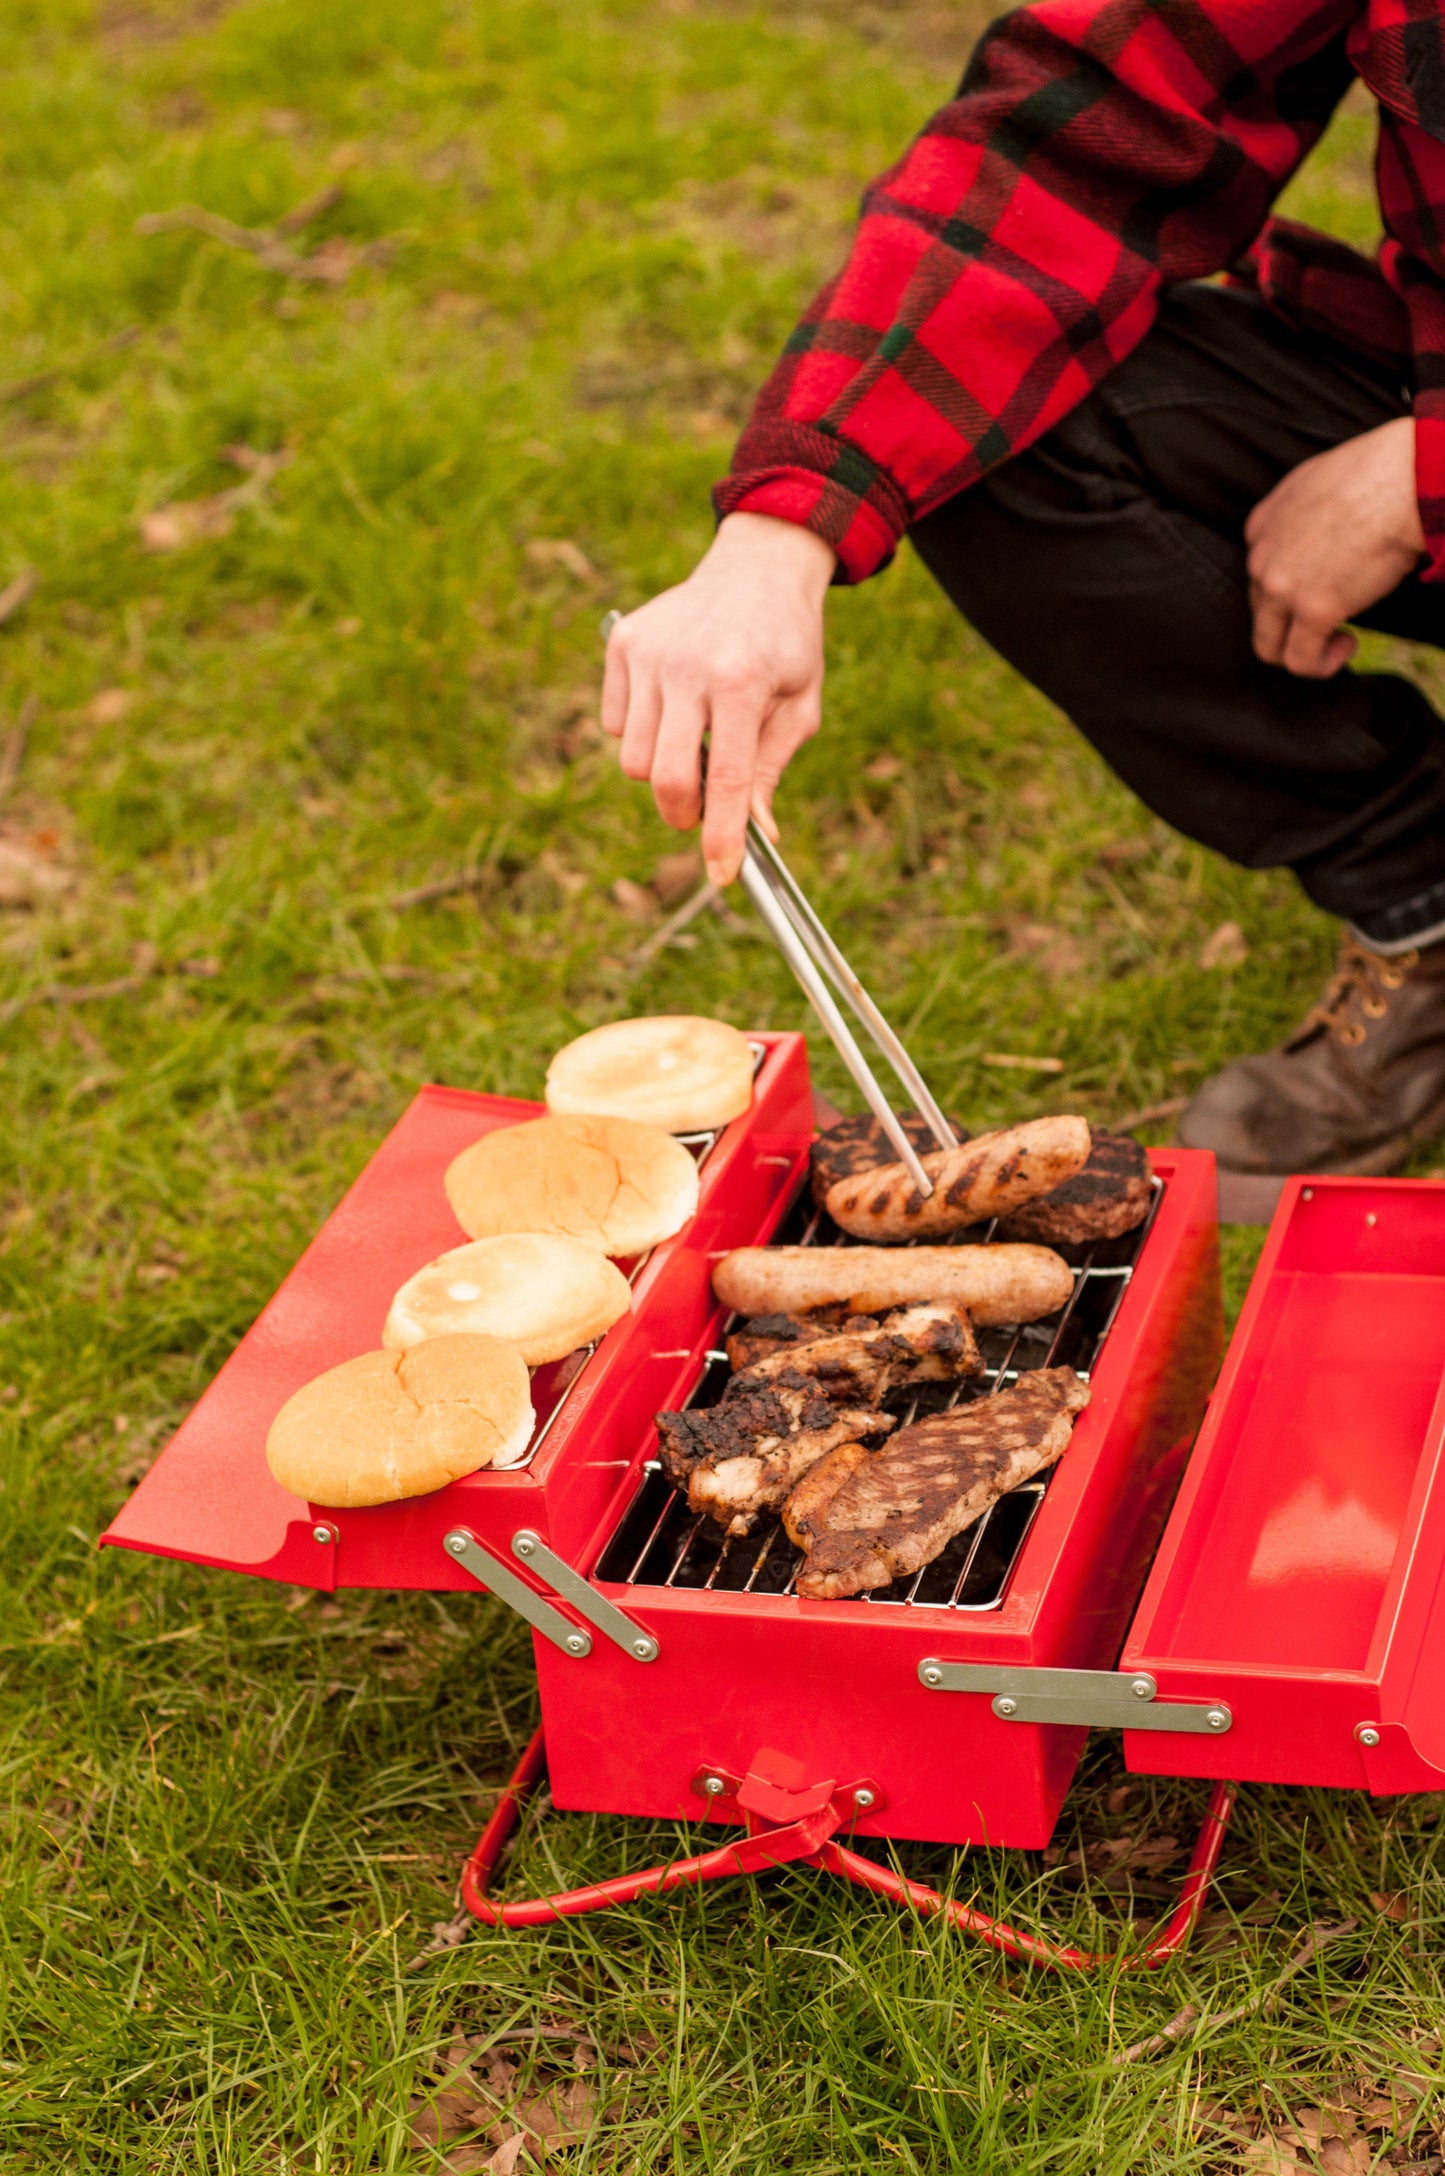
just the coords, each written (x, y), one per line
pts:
(1004, 1705)
(578, 1643)
(323, 1534)
(1141, 1688)
(1307, 1193)
(863, 1798)
(644, 1649)
(1367, 1734)
(1371, 1218)
(933, 1675)
(1216, 1719)
(524, 1545)
(713, 1786)
(457, 1543)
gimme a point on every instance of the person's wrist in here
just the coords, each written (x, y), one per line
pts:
(1410, 530)
(789, 551)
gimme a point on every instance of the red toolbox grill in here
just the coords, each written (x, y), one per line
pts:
(1282, 1620)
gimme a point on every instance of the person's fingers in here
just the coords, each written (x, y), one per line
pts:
(787, 726)
(614, 684)
(640, 724)
(1341, 648)
(676, 759)
(737, 718)
(1307, 647)
(1271, 626)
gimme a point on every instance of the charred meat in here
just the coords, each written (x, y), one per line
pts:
(927, 1344)
(1109, 1196)
(764, 1335)
(901, 1508)
(807, 1506)
(744, 1456)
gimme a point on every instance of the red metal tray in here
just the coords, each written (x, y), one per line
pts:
(1301, 1577)
(210, 1497)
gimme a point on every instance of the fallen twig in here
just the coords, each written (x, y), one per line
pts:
(1191, 2020)
(677, 921)
(14, 755)
(1019, 1064)
(17, 593)
(263, 243)
(38, 380)
(444, 888)
(1151, 1112)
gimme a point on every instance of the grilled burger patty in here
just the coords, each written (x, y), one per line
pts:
(1109, 1196)
(905, 1503)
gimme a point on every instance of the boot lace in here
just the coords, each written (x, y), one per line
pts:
(1363, 976)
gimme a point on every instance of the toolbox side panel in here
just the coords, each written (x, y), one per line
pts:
(1299, 1567)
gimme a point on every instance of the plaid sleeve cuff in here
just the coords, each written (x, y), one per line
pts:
(1430, 479)
(798, 473)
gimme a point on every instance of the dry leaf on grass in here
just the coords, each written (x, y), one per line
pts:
(882, 767)
(28, 875)
(1391, 1904)
(1224, 947)
(109, 706)
(1052, 950)
(560, 551)
(184, 522)
(636, 902)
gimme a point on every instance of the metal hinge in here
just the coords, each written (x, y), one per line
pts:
(1101, 1699)
(489, 1571)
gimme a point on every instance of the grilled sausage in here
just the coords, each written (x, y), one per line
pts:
(990, 1284)
(854, 1145)
(985, 1177)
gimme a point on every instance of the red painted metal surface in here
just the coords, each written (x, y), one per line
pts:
(210, 1497)
(1300, 1576)
(837, 1682)
(789, 1822)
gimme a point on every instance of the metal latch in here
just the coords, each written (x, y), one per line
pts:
(1101, 1699)
(490, 1571)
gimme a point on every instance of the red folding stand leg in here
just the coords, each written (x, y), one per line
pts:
(812, 1840)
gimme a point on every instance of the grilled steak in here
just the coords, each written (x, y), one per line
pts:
(1109, 1196)
(988, 1176)
(860, 1144)
(807, 1506)
(742, 1457)
(764, 1335)
(860, 1367)
(900, 1509)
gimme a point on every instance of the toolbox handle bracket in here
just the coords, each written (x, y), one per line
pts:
(1099, 1699)
(489, 1571)
(613, 1623)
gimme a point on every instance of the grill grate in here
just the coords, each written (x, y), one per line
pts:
(551, 1383)
(660, 1542)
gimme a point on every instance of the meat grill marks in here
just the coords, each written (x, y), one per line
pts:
(764, 1335)
(901, 1508)
(854, 1145)
(985, 1177)
(1107, 1198)
(862, 1366)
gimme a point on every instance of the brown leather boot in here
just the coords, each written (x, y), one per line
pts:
(1358, 1083)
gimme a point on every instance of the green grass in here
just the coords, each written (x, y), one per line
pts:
(235, 1812)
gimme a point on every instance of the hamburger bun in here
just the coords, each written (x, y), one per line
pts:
(609, 1182)
(542, 1294)
(394, 1424)
(673, 1070)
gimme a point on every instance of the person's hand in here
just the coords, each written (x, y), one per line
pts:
(1333, 537)
(736, 650)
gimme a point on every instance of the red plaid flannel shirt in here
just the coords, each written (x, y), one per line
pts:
(1097, 151)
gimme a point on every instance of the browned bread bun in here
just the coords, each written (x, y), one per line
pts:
(547, 1296)
(672, 1070)
(394, 1424)
(1109, 1196)
(860, 1144)
(609, 1182)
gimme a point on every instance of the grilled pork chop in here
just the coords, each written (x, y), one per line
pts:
(744, 1456)
(926, 1344)
(902, 1508)
(764, 1335)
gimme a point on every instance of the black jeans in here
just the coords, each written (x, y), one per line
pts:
(1107, 563)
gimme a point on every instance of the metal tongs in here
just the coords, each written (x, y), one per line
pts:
(815, 960)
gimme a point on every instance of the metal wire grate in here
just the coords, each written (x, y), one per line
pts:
(661, 1542)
